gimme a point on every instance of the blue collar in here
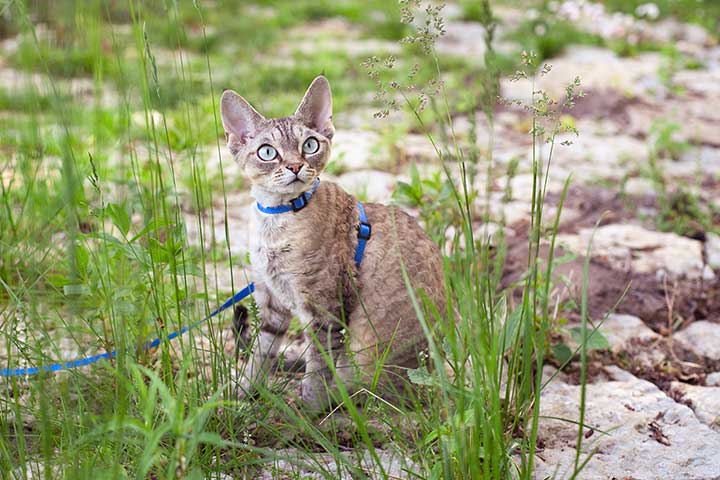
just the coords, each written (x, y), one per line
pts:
(364, 228)
(295, 204)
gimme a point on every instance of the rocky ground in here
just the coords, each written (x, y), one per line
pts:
(653, 398)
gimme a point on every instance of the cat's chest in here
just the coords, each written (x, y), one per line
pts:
(275, 256)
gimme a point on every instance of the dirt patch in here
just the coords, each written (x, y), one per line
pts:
(663, 362)
(604, 103)
(599, 206)
(657, 302)
(663, 305)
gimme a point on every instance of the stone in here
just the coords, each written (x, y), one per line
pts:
(356, 150)
(484, 234)
(598, 68)
(619, 329)
(335, 34)
(713, 379)
(628, 247)
(591, 157)
(84, 89)
(639, 186)
(415, 148)
(35, 469)
(240, 214)
(369, 185)
(293, 463)
(702, 337)
(705, 402)
(696, 122)
(712, 250)
(649, 435)
(707, 274)
(612, 25)
(705, 83)
(465, 39)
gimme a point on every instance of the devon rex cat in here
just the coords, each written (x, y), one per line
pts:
(316, 258)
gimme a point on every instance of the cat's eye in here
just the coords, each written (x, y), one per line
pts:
(266, 153)
(310, 146)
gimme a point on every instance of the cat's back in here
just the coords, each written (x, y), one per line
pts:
(398, 239)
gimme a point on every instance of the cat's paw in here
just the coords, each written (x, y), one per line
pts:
(313, 395)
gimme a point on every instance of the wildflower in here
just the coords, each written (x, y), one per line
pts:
(649, 10)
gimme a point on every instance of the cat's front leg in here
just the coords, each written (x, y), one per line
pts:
(264, 341)
(325, 339)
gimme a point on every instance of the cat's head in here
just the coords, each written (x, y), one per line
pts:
(281, 157)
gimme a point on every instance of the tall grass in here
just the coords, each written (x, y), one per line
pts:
(93, 248)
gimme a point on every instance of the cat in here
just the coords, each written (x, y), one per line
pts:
(304, 255)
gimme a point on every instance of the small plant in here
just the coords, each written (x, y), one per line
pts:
(664, 141)
(433, 197)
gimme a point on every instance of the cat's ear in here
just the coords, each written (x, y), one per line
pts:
(315, 110)
(239, 119)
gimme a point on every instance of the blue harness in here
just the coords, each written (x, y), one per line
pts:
(296, 204)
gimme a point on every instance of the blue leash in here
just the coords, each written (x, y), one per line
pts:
(296, 204)
(81, 362)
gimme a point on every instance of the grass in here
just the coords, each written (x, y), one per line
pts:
(96, 202)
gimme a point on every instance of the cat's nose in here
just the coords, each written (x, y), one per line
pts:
(294, 167)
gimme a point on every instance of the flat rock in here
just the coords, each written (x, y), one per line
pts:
(650, 435)
(356, 149)
(292, 463)
(643, 26)
(598, 69)
(416, 148)
(697, 123)
(705, 402)
(702, 337)
(713, 379)
(592, 157)
(465, 39)
(639, 186)
(712, 250)
(334, 35)
(211, 229)
(369, 185)
(619, 329)
(631, 247)
(699, 82)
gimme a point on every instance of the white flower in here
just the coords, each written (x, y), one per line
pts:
(649, 10)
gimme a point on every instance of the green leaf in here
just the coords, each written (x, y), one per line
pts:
(212, 438)
(561, 352)
(511, 327)
(420, 376)
(119, 216)
(595, 339)
(76, 290)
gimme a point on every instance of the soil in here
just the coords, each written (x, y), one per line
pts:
(664, 306)
(604, 103)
